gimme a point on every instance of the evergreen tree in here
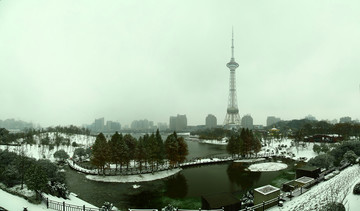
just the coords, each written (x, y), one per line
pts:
(182, 149)
(171, 149)
(233, 146)
(114, 147)
(61, 155)
(100, 152)
(36, 179)
(140, 155)
(131, 148)
(159, 148)
(256, 143)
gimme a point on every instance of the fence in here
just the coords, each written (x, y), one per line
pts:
(263, 204)
(62, 206)
(174, 209)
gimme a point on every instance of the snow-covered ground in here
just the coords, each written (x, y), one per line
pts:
(287, 148)
(249, 160)
(135, 178)
(38, 151)
(12, 202)
(338, 188)
(223, 141)
(269, 166)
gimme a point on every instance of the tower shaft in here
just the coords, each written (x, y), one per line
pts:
(232, 113)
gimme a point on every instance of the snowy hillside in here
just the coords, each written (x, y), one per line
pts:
(40, 151)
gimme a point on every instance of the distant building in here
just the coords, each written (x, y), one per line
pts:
(99, 124)
(113, 126)
(310, 117)
(178, 123)
(162, 126)
(142, 125)
(345, 119)
(247, 122)
(210, 121)
(272, 120)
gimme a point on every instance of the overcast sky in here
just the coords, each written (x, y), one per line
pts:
(69, 62)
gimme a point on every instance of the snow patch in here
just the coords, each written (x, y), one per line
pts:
(269, 166)
(135, 178)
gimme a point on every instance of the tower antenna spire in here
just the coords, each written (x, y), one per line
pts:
(232, 117)
(232, 43)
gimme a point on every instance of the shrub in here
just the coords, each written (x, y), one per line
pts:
(334, 206)
(350, 156)
(357, 189)
(322, 161)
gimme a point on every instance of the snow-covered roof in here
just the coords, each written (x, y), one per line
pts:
(267, 189)
(304, 179)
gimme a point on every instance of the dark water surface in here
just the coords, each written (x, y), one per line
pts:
(184, 188)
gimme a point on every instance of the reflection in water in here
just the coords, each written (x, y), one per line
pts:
(148, 196)
(243, 179)
(176, 186)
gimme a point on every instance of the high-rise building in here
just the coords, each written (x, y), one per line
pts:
(232, 117)
(162, 126)
(142, 125)
(113, 126)
(178, 123)
(272, 120)
(99, 124)
(210, 121)
(247, 122)
(345, 119)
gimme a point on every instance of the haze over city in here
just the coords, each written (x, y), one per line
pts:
(69, 62)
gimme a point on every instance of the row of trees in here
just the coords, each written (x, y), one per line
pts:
(38, 175)
(28, 134)
(243, 143)
(344, 129)
(148, 150)
(347, 151)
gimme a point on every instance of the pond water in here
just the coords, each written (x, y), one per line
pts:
(183, 189)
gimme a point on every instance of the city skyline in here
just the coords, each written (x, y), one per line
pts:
(70, 62)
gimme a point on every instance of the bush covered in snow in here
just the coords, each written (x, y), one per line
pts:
(356, 189)
(334, 206)
(322, 161)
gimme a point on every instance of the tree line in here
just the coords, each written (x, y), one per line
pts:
(243, 143)
(28, 134)
(148, 150)
(346, 130)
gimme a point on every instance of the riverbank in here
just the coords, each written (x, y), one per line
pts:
(135, 178)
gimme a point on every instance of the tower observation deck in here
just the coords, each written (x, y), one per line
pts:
(232, 117)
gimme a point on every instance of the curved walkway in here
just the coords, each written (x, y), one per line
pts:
(165, 167)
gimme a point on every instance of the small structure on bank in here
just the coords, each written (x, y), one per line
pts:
(298, 183)
(308, 171)
(266, 193)
(224, 201)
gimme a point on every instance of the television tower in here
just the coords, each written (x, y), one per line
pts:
(232, 117)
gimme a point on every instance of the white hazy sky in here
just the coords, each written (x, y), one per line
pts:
(69, 62)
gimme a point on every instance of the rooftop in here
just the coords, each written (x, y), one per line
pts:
(304, 179)
(267, 189)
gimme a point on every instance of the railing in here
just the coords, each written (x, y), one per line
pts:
(175, 209)
(263, 204)
(62, 206)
